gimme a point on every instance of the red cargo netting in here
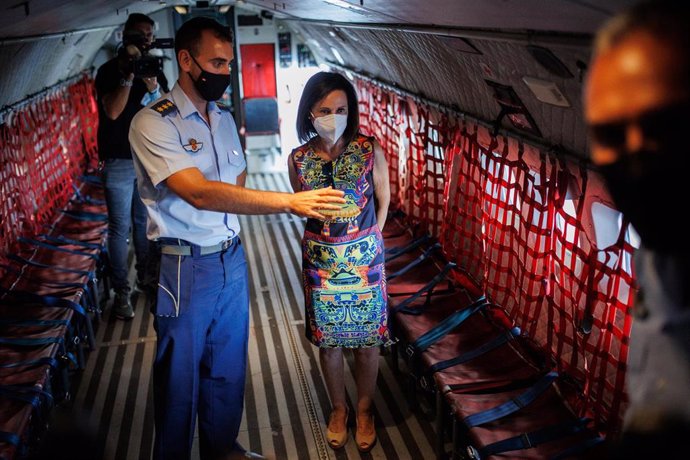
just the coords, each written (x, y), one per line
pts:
(380, 115)
(414, 146)
(45, 145)
(513, 218)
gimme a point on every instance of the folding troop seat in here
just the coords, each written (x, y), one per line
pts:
(417, 270)
(64, 270)
(48, 295)
(486, 373)
(41, 338)
(493, 384)
(527, 419)
(400, 237)
(22, 408)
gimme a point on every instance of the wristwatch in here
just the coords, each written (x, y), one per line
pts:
(125, 82)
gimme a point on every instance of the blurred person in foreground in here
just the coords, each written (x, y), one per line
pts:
(637, 102)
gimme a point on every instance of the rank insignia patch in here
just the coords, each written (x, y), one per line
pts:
(164, 107)
(193, 146)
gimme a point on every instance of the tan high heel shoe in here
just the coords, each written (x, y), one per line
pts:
(366, 441)
(336, 439)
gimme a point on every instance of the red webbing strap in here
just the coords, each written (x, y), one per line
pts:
(381, 115)
(364, 96)
(433, 181)
(83, 94)
(45, 146)
(612, 296)
(415, 167)
(461, 231)
(516, 220)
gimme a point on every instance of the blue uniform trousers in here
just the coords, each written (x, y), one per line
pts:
(202, 318)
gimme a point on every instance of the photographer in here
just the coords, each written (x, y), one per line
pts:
(123, 90)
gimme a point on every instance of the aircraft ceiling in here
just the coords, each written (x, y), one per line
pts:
(415, 45)
(38, 17)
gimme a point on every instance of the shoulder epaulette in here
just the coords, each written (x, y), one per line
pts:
(165, 107)
(224, 107)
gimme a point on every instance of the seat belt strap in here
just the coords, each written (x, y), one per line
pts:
(512, 405)
(534, 438)
(425, 255)
(444, 327)
(480, 350)
(402, 307)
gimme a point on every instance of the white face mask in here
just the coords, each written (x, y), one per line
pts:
(330, 127)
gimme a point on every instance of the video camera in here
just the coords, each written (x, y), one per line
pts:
(135, 54)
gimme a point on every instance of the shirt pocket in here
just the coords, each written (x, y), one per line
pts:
(234, 157)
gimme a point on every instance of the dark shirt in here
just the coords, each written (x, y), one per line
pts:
(113, 134)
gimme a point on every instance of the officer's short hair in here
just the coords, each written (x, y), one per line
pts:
(137, 18)
(188, 35)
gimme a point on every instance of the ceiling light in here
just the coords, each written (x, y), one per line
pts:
(546, 91)
(181, 9)
(337, 56)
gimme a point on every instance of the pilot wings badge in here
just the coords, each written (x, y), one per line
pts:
(193, 146)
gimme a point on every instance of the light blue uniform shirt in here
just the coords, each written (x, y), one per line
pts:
(170, 135)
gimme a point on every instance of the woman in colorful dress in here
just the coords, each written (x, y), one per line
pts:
(343, 257)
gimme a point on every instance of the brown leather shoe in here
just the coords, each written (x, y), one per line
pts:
(366, 440)
(336, 439)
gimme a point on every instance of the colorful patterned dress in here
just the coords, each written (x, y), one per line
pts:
(343, 259)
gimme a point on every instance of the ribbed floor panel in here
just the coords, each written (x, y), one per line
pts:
(286, 403)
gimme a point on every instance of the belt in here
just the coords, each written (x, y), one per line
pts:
(186, 250)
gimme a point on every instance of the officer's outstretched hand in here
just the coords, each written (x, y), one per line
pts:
(309, 203)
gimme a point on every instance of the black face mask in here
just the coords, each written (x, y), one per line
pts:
(651, 189)
(211, 86)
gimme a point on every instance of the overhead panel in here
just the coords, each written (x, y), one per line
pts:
(42, 17)
(425, 65)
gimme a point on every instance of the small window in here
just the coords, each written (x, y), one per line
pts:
(607, 226)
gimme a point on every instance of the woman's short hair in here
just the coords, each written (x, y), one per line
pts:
(318, 87)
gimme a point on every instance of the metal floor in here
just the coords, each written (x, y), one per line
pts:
(286, 401)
